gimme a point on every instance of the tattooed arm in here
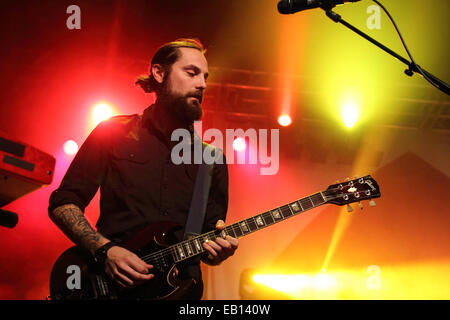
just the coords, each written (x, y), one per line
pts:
(121, 264)
(71, 220)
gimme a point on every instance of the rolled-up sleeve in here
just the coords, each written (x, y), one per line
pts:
(86, 172)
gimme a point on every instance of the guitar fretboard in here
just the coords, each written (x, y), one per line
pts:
(192, 247)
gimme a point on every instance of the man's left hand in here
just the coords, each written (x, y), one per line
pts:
(220, 249)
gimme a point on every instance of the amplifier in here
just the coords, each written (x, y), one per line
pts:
(23, 169)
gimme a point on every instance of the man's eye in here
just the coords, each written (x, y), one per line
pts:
(191, 74)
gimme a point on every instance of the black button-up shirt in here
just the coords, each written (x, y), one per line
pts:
(129, 158)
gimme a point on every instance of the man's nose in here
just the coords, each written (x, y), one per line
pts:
(201, 84)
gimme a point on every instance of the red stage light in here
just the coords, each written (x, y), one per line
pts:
(239, 144)
(70, 147)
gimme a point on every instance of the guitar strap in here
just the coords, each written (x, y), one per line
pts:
(200, 196)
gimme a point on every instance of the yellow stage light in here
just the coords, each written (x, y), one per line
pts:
(350, 113)
(300, 286)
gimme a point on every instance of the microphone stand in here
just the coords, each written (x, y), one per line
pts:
(412, 67)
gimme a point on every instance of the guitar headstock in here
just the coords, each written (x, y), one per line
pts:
(350, 191)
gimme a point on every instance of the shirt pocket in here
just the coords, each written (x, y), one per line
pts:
(132, 165)
(131, 150)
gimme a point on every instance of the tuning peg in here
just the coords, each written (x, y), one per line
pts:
(372, 203)
(361, 205)
(349, 208)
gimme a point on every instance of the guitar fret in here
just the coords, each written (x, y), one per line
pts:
(183, 247)
(284, 213)
(254, 221)
(276, 214)
(247, 230)
(198, 245)
(238, 231)
(251, 224)
(268, 218)
(295, 207)
(181, 251)
(290, 210)
(177, 256)
(229, 230)
(190, 244)
(300, 203)
(305, 204)
(245, 227)
(317, 199)
(260, 222)
(189, 249)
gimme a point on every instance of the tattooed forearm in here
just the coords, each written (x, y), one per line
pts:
(70, 219)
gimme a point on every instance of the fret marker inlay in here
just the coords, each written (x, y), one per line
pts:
(259, 221)
(276, 214)
(295, 207)
(181, 252)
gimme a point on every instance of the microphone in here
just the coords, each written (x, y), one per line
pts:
(293, 6)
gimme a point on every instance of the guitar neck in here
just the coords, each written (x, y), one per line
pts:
(192, 247)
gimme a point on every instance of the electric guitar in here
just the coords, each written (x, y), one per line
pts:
(155, 247)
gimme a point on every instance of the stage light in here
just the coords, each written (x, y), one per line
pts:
(289, 284)
(350, 113)
(70, 147)
(324, 281)
(239, 144)
(102, 111)
(300, 286)
(284, 120)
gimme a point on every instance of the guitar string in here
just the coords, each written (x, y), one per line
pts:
(159, 257)
(168, 251)
(171, 251)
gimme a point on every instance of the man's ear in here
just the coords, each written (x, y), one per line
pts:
(158, 72)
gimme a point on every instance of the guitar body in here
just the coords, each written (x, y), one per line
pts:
(75, 276)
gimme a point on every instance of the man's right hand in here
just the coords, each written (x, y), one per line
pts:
(126, 268)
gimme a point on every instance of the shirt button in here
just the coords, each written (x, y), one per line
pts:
(165, 213)
(131, 155)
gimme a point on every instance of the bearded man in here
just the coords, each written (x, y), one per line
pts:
(129, 159)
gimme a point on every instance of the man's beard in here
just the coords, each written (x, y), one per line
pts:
(182, 107)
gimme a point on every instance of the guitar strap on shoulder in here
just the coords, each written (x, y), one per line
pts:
(200, 196)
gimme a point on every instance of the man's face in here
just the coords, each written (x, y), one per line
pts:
(184, 86)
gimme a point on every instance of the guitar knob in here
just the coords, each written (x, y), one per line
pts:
(372, 203)
(349, 208)
(361, 205)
